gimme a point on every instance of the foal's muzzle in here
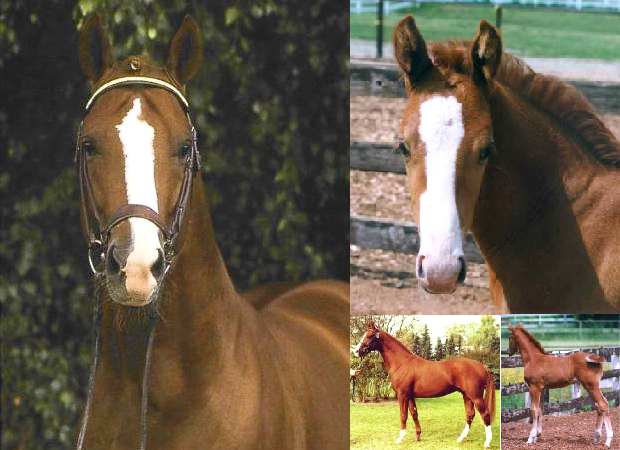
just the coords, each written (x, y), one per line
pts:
(440, 275)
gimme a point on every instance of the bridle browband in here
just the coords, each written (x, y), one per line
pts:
(98, 231)
(98, 236)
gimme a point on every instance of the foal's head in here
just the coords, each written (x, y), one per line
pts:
(135, 140)
(448, 139)
(371, 341)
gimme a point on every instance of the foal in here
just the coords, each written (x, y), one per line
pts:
(542, 370)
(413, 376)
(520, 159)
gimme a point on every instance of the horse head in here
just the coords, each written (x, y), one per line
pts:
(371, 341)
(136, 152)
(447, 143)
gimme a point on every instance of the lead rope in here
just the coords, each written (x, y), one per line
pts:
(91, 376)
(144, 406)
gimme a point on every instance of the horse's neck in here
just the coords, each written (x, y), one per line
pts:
(535, 194)
(526, 348)
(393, 354)
(203, 322)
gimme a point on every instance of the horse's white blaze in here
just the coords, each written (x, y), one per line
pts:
(441, 130)
(401, 436)
(488, 436)
(356, 350)
(464, 433)
(137, 137)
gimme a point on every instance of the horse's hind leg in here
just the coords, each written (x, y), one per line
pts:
(470, 412)
(403, 399)
(413, 410)
(535, 394)
(485, 415)
(602, 409)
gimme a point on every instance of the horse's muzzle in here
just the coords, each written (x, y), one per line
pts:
(440, 275)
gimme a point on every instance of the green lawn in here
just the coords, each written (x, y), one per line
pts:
(376, 425)
(542, 32)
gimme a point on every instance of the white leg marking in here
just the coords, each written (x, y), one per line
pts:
(401, 436)
(441, 129)
(488, 436)
(609, 432)
(533, 433)
(136, 137)
(464, 434)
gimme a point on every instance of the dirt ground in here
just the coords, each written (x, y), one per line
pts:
(560, 433)
(382, 281)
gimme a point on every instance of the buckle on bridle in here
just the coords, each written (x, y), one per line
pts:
(96, 257)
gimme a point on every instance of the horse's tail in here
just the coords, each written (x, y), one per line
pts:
(489, 395)
(595, 359)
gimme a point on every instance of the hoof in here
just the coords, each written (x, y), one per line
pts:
(531, 440)
(597, 438)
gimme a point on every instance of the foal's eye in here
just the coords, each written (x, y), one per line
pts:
(485, 153)
(402, 149)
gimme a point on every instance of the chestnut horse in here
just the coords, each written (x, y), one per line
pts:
(542, 370)
(415, 377)
(520, 159)
(182, 361)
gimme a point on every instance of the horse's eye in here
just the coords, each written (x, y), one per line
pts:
(185, 150)
(88, 147)
(402, 149)
(485, 153)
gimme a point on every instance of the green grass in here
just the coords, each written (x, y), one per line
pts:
(376, 425)
(542, 32)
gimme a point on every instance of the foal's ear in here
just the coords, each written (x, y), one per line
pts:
(410, 50)
(486, 52)
(185, 54)
(94, 47)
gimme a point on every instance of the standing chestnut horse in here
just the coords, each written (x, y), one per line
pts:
(413, 376)
(542, 370)
(519, 158)
(183, 362)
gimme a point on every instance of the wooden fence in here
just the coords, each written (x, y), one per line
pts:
(610, 380)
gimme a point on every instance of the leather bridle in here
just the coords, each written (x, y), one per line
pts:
(97, 230)
(98, 234)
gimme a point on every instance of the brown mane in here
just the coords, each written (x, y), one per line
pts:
(549, 94)
(531, 338)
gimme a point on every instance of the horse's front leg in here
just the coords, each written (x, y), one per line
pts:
(535, 394)
(470, 412)
(413, 410)
(402, 401)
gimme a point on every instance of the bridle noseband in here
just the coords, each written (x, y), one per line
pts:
(98, 231)
(98, 234)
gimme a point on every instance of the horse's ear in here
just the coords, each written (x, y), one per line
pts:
(94, 47)
(185, 54)
(371, 325)
(410, 50)
(486, 52)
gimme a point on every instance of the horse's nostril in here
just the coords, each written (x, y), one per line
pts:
(157, 269)
(421, 266)
(463, 270)
(113, 266)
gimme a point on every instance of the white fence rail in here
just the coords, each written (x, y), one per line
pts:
(363, 6)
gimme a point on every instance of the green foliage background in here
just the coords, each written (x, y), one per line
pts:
(271, 106)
